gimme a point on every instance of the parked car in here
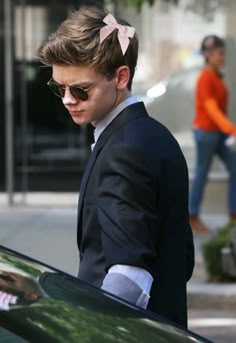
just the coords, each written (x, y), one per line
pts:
(41, 304)
(171, 100)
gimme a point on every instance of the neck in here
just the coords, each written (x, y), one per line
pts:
(216, 70)
(119, 99)
(213, 67)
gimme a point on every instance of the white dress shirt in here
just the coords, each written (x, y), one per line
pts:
(111, 116)
(138, 275)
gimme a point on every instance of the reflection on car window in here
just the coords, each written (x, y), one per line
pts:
(8, 337)
(185, 79)
(55, 307)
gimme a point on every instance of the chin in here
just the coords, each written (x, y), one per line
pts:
(79, 121)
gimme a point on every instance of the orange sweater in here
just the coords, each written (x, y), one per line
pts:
(211, 103)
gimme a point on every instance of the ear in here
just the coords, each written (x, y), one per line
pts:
(31, 296)
(122, 76)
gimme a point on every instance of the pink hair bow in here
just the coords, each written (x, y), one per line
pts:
(124, 32)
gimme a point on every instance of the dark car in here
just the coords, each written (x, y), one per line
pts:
(41, 304)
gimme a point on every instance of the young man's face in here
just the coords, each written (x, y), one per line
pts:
(15, 283)
(103, 95)
(12, 282)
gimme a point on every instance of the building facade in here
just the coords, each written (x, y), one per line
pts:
(41, 148)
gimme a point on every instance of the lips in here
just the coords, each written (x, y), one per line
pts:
(75, 113)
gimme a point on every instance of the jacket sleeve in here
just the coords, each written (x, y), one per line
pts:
(127, 209)
(220, 119)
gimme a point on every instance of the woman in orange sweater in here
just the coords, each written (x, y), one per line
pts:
(211, 129)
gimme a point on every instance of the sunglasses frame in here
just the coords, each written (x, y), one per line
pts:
(72, 90)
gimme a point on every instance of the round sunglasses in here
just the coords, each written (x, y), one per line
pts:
(77, 92)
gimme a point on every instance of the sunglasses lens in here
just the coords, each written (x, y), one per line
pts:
(79, 93)
(57, 89)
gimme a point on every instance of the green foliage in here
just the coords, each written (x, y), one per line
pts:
(138, 3)
(212, 253)
(203, 8)
(77, 313)
(58, 321)
(32, 269)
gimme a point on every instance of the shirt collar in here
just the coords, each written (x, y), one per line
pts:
(111, 116)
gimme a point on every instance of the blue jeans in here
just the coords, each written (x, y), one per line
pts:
(209, 144)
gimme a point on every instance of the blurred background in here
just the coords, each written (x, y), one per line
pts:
(41, 148)
(43, 153)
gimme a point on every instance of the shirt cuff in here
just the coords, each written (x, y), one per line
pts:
(138, 275)
(126, 289)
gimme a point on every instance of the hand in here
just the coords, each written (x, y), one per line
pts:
(231, 142)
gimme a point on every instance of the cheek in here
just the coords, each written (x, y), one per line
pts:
(220, 59)
(105, 97)
(4, 287)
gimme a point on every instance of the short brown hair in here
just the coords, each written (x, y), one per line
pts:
(77, 42)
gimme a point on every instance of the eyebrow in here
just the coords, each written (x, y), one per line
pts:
(81, 85)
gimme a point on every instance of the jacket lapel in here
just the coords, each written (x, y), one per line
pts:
(129, 113)
(84, 181)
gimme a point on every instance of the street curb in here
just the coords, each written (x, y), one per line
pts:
(40, 199)
(213, 296)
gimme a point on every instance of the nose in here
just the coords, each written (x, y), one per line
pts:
(68, 98)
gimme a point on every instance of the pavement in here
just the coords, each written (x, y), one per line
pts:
(43, 226)
(217, 326)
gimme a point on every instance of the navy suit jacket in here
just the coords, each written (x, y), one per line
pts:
(133, 209)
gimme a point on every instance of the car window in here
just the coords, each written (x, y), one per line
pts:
(8, 337)
(69, 310)
(186, 79)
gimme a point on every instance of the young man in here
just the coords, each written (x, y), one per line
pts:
(22, 289)
(134, 236)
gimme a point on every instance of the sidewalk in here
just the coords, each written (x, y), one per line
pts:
(46, 230)
(202, 294)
